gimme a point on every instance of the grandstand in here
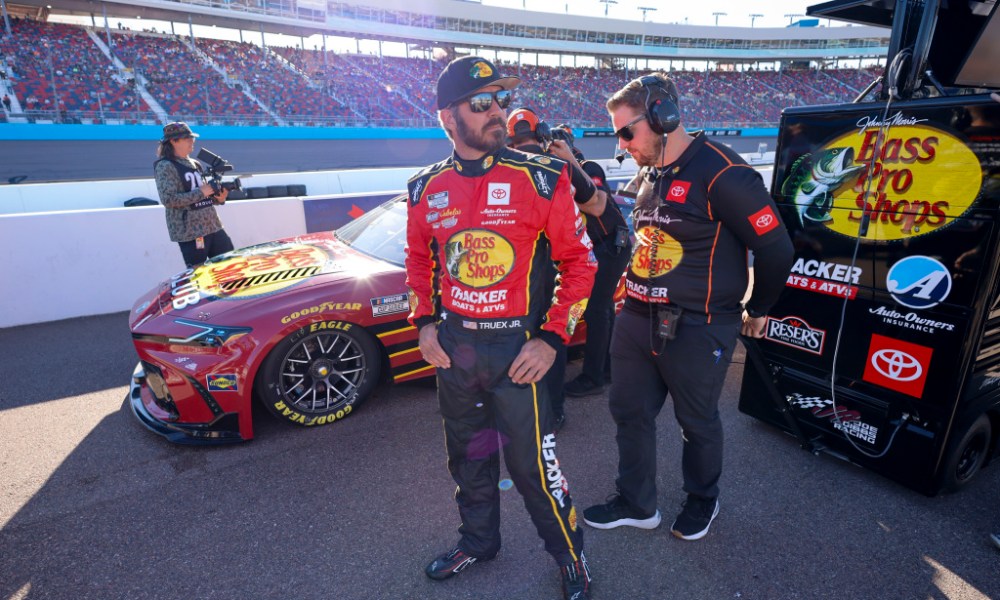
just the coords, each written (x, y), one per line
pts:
(53, 72)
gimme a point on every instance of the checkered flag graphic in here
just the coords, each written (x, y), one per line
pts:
(808, 402)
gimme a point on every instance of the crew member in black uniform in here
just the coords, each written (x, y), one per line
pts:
(699, 209)
(609, 233)
(480, 227)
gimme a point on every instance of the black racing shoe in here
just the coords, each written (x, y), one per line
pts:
(576, 579)
(695, 518)
(450, 564)
(617, 512)
(583, 385)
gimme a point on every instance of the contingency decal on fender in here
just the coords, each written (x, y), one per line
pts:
(390, 305)
(222, 383)
(922, 178)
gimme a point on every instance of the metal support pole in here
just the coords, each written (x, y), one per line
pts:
(6, 18)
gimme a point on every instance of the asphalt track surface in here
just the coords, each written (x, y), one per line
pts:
(92, 505)
(42, 161)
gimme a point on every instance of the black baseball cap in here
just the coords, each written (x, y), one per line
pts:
(465, 75)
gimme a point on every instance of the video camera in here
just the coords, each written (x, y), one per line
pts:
(561, 132)
(215, 167)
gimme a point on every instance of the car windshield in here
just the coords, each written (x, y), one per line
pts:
(380, 232)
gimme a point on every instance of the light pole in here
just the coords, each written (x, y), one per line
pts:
(753, 17)
(645, 9)
(606, 3)
(717, 15)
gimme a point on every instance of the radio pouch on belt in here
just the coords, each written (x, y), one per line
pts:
(668, 316)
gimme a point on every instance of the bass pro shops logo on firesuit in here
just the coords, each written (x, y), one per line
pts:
(478, 258)
(921, 179)
(558, 486)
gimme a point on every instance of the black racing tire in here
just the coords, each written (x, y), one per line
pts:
(320, 373)
(966, 454)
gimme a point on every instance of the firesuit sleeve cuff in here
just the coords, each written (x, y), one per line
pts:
(583, 185)
(419, 322)
(552, 339)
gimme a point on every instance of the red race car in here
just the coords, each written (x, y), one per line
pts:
(308, 325)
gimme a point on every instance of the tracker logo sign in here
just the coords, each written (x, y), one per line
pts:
(897, 365)
(918, 282)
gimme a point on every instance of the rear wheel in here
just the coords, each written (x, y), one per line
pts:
(966, 455)
(320, 373)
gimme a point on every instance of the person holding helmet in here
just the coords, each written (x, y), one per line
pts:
(189, 200)
(699, 208)
(480, 227)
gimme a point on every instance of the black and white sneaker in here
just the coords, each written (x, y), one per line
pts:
(617, 512)
(695, 518)
(450, 564)
(576, 579)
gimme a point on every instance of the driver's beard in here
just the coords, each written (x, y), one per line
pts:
(487, 143)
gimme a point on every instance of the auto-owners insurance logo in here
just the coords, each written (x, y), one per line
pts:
(922, 179)
(478, 258)
(918, 282)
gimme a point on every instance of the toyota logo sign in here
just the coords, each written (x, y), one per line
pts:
(499, 194)
(765, 220)
(677, 190)
(896, 364)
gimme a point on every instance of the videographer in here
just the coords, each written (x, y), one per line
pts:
(188, 198)
(608, 230)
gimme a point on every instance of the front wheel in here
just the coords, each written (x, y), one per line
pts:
(320, 373)
(966, 455)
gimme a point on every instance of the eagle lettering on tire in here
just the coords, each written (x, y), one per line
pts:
(320, 373)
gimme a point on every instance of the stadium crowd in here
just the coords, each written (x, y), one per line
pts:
(67, 73)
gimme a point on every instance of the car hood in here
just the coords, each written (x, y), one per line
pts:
(249, 274)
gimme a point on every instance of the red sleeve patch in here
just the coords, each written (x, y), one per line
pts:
(678, 191)
(763, 220)
(598, 181)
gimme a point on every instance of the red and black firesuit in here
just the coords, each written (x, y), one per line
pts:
(476, 233)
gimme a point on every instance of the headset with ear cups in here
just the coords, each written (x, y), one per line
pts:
(662, 113)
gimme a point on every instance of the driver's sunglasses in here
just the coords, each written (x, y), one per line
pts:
(482, 101)
(625, 132)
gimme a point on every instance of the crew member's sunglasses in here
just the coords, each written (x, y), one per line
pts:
(482, 101)
(625, 132)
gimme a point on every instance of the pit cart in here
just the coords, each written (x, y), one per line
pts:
(884, 348)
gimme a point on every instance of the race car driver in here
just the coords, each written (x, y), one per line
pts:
(477, 226)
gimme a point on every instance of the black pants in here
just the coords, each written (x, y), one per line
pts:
(692, 368)
(484, 411)
(215, 244)
(600, 313)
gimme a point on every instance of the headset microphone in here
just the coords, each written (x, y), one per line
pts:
(620, 157)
